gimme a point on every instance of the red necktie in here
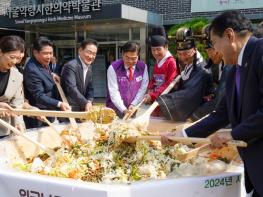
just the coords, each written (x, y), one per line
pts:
(130, 74)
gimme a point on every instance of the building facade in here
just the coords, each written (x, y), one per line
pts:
(173, 11)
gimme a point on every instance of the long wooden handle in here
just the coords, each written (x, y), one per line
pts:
(49, 151)
(64, 99)
(190, 140)
(43, 118)
(167, 90)
(171, 85)
(48, 113)
(185, 140)
(50, 124)
(193, 140)
(205, 141)
(61, 92)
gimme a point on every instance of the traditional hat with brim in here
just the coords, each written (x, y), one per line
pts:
(184, 39)
(158, 37)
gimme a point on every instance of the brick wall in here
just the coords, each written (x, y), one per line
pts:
(173, 11)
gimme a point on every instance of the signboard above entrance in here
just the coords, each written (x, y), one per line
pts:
(219, 5)
(52, 12)
(77, 10)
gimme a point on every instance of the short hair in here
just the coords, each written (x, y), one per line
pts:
(230, 19)
(41, 42)
(88, 41)
(131, 46)
(259, 31)
(12, 43)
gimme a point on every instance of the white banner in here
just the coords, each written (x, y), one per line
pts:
(219, 5)
(29, 185)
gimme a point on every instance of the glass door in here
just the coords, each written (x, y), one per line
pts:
(65, 54)
(105, 56)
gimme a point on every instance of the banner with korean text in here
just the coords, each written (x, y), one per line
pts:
(219, 5)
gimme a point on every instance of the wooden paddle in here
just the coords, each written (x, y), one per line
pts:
(64, 99)
(49, 151)
(43, 118)
(49, 113)
(184, 140)
(143, 120)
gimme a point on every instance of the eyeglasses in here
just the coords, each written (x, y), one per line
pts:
(12, 57)
(130, 58)
(89, 52)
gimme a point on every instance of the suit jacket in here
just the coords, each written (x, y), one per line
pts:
(55, 68)
(14, 96)
(39, 86)
(40, 90)
(247, 118)
(76, 90)
(219, 92)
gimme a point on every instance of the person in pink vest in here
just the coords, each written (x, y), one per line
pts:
(165, 68)
(127, 80)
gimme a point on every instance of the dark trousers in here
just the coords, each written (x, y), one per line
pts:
(255, 194)
(35, 123)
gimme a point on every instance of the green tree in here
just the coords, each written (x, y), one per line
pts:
(196, 25)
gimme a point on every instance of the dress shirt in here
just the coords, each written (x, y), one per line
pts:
(85, 69)
(240, 56)
(160, 63)
(220, 68)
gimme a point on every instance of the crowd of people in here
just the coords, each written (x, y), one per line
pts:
(228, 86)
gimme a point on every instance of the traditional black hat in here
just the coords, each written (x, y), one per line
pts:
(184, 39)
(158, 37)
(206, 37)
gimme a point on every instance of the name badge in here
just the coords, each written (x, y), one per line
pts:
(138, 78)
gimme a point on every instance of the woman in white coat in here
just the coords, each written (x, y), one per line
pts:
(11, 89)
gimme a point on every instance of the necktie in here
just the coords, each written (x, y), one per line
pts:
(47, 69)
(130, 74)
(222, 67)
(238, 67)
(53, 67)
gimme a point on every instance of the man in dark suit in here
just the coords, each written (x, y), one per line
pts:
(242, 105)
(76, 77)
(39, 86)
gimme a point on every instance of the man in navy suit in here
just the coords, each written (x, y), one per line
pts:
(76, 77)
(39, 86)
(242, 105)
